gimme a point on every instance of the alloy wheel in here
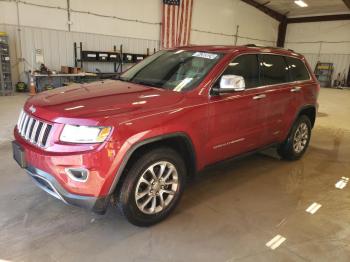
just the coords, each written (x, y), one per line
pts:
(156, 187)
(301, 137)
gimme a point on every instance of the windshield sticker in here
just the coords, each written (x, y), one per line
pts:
(205, 55)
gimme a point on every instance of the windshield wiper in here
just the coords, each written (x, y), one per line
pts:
(123, 79)
(141, 82)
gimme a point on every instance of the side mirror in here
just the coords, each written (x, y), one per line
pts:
(230, 83)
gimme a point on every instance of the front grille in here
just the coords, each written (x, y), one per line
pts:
(33, 130)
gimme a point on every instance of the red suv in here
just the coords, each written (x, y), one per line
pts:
(137, 139)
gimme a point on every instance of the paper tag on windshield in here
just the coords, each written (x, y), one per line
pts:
(205, 55)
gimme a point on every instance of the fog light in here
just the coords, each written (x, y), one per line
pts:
(77, 174)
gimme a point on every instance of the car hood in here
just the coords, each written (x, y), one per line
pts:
(99, 100)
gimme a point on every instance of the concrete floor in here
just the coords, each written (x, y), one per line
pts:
(228, 214)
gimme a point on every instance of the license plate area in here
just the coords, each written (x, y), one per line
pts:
(19, 154)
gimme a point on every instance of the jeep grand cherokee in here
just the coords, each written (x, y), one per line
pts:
(137, 139)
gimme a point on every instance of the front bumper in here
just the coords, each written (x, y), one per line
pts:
(50, 185)
(102, 162)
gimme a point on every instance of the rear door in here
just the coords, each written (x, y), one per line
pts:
(300, 87)
(276, 101)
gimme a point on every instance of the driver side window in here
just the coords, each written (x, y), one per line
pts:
(246, 66)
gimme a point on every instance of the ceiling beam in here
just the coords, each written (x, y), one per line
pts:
(266, 3)
(263, 8)
(282, 31)
(322, 18)
(347, 3)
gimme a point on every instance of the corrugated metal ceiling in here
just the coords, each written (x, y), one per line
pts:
(315, 7)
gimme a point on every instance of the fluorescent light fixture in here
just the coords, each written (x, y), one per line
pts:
(301, 3)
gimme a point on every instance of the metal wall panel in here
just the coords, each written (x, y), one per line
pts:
(58, 48)
(341, 62)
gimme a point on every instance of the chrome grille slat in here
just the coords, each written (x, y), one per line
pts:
(26, 119)
(20, 118)
(42, 131)
(38, 132)
(30, 122)
(21, 121)
(26, 127)
(46, 134)
(33, 130)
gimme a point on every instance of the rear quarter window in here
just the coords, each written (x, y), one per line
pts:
(297, 69)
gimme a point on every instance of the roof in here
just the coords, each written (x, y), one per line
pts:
(243, 48)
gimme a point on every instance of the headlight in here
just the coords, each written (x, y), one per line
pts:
(84, 134)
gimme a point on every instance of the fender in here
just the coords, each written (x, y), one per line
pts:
(306, 107)
(137, 145)
(298, 113)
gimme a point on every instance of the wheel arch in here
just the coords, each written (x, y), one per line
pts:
(179, 141)
(310, 111)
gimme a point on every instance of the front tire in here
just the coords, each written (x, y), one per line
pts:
(152, 187)
(297, 141)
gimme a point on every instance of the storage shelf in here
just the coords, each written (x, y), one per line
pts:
(323, 73)
(119, 58)
(5, 67)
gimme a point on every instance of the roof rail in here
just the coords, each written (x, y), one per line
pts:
(251, 45)
(271, 47)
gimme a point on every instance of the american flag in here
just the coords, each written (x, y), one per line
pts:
(176, 22)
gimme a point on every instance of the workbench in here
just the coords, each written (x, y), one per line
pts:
(57, 80)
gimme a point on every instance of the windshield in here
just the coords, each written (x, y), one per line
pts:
(177, 70)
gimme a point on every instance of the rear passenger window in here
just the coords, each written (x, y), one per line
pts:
(297, 69)
(246, 66)
(274, 70)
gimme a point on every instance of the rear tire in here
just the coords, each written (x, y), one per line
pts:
(153, 187)
(297, 141)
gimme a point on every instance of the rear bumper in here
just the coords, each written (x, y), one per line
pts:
(50, 185)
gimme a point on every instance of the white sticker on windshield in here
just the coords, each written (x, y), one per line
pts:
(205, 55)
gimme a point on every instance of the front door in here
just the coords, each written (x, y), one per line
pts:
(233, 126)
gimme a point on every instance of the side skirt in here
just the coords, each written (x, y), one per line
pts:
(238, 157)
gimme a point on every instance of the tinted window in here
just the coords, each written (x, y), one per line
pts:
(246, 66)
(274, 69)
(297, 69)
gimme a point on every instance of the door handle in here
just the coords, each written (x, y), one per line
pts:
(296, 89)
(259, 96)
